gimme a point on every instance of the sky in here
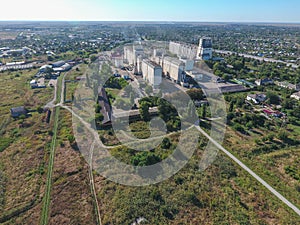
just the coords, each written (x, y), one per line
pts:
(285, 11)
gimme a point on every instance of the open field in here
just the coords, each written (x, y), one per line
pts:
(269, 165)
(24, 157)
(72, 75)
(71, 200)
(223, 194)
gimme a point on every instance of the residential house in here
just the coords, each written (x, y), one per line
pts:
(288, 85)
(296, 95)
(265, 81)
(18, 111)
(257, 98)
(274, 113)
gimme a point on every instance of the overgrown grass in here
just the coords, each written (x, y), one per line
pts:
(4, 143)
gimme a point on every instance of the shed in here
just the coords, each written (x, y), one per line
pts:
(18, 111)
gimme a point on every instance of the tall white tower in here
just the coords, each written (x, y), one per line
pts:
(205, 49)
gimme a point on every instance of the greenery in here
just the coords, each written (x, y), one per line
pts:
(4, 143)
(195, 94)
(145, 159)
(273, 98)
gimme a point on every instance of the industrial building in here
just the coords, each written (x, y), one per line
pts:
(196, 75)
(65, 67)
(205, 49)
(152, 73)
(174, 68)
(183, 49)
(159, 52)
(131, 54)
(188, 63)
(117, 59)
(60, 66)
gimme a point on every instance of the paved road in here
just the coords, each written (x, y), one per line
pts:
(258, 178)
(257, 57)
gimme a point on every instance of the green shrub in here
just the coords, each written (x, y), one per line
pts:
(4, 143)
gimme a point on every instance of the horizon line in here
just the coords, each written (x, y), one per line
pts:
(154, 21)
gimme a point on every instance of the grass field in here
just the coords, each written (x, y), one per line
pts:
(24, 152)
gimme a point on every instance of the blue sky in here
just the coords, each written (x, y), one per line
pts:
(154, 10)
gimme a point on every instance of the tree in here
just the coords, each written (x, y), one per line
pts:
(273, 98)
(230, 109)
(144, 111)
(163, 109)
(97, 108)
(166, 144)
(195, 94)
(40, 109)
(203, 112)
(296, 112)
(71, 139)
(99, 117)
(145, 159)
(173, 124)
(288, 103)
(226, 77)
(238, 65)
(239, 128)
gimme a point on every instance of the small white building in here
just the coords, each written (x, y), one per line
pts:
(265, 81)
(257, 98)
(33, 84)
(288, 85)
(296, 95)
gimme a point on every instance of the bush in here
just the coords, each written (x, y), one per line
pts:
(239, 128)
(4, 143)
(71, 139)
(40, 110)
(145, 159)
(166, 144)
